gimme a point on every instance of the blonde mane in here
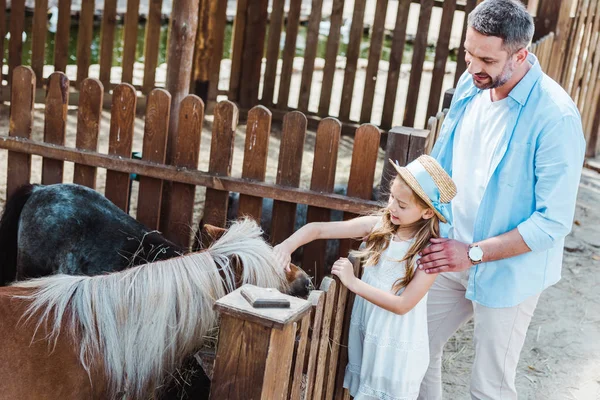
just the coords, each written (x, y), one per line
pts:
(143, 322)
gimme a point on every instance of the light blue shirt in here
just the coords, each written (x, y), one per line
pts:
(536, 169)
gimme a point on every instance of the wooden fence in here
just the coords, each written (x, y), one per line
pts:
(247, 85)
(579, 72)
(174, 216)
(319, 357)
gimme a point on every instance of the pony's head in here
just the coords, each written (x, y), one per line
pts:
(299, 283)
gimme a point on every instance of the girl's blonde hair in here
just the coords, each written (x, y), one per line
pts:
(379, 240)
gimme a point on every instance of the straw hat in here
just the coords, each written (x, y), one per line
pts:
(442, 180)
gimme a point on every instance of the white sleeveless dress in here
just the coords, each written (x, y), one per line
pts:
(388, 354)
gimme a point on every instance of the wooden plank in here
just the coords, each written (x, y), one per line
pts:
(299, 359)
(15, 44)
(546, 17)
(432, 127)
(203, 52)
(156, 127)
(336, 340)
(122, 120)
(235, 365)
(583, 55)
(21, 123)
(333, 41)
(329, 286)
(398, 142)
(441, 56)
(418, 143)
(416, 70)
(362, 172)
(340, 392)
(397, 51)
(237, 47)
(323, 180)
(279, 363)
(107, 35)
(84, 40)
(591, 94)
(2, 34)
(130, 40)
(441, 116)
(256, 150)
(574, 43)
(182, 36)
(272, 56)
(461, 65)
(256, 28)
(352, 54)
(593, 49)
(310, 53)
(61, 40)
(289, 51)
(38, 39)
(218, 19)
(186, 151)
(317, 299)
(89, 115)
(167, 172)
(373, 63)
(592, 143)
(151, 44)
(560, 40)
(55, 125)
(288, 173)
(221, 156)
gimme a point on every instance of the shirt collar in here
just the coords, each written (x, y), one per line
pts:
(521, 91)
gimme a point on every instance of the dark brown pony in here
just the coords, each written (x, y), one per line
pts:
(122, 335)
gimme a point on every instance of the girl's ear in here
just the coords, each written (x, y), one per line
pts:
(428, 213)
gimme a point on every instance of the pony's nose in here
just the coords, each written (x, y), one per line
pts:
(309, 285)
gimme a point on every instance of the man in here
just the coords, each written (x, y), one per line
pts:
(513, 143)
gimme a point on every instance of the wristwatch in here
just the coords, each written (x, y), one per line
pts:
(475, 254)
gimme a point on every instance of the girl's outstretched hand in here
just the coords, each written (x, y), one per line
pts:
(283, 255)
(344, 270)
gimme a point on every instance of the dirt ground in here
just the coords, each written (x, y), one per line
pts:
(561, 357)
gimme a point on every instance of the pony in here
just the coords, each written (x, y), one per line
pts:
(122, 334)
(74, 230)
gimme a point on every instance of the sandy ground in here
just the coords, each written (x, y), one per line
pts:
(561, 357)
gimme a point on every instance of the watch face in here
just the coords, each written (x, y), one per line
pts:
(475, 253)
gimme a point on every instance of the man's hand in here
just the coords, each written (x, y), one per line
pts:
(445, 255)
(344, 270)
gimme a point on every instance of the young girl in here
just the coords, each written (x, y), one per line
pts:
(388, 346)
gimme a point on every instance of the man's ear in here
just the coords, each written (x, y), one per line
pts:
(521, 55)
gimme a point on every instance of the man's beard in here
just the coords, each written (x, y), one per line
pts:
(499, 80)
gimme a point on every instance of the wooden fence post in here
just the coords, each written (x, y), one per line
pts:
(254, 42)
(254, 356)
(403, 145)
(561, 37)
(547, 17)
(180, 54)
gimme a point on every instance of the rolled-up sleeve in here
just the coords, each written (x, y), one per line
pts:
(559, 156)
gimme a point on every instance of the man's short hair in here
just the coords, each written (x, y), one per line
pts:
(506, 19)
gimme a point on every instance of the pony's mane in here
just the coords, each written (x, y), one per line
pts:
(143, 322)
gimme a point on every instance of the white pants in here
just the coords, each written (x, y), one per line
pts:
(498, 338)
